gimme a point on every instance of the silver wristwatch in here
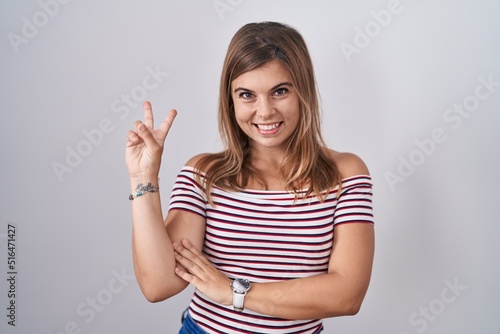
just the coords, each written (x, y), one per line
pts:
(240, 288)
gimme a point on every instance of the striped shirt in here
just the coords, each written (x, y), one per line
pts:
(267, 236)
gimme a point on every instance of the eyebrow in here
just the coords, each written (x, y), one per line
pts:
(272, 88)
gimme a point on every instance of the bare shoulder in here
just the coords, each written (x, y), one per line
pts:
(194, 160)
(349, 164)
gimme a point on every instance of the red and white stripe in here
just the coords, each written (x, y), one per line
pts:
(267, 236)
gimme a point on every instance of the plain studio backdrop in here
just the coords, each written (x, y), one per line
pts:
(412, 87)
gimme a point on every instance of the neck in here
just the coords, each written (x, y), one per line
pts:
(267, 163)
(266, 158)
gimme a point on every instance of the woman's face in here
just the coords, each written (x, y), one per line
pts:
(266, 105)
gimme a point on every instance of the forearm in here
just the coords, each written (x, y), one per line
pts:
(322, 296)
(154, 261)
(336, 293)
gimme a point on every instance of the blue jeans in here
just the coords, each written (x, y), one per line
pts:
(189, 326)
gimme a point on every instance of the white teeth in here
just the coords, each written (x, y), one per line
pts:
(268, 127)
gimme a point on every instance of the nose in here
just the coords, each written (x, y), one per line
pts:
(265, 108)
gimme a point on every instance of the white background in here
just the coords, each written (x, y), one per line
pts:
(65, 69)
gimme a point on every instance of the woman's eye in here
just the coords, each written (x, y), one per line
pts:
(281, 91)
(246, 95)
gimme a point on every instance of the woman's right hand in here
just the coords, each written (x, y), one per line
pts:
(145, 145)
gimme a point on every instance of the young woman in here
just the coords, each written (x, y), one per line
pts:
(276, 231)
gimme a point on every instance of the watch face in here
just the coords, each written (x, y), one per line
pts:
(241, 285)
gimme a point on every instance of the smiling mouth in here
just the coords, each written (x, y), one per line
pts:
(268, 127)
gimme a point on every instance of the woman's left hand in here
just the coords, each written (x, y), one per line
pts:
(197, 270)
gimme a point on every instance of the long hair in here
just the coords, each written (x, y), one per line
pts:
(308, 164)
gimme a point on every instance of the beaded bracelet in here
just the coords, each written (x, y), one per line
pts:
(142, 189)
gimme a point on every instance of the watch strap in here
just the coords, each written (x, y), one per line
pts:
(238, 301)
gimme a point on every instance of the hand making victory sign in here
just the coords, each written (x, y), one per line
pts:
(144, 146)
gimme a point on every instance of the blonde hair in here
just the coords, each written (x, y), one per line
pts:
(308, 163)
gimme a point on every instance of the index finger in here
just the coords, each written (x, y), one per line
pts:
(168, 121)
(193, 253)
(148, 115)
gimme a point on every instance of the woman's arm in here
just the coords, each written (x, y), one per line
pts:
(154, 261)
(153, 254)
(339, 292)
